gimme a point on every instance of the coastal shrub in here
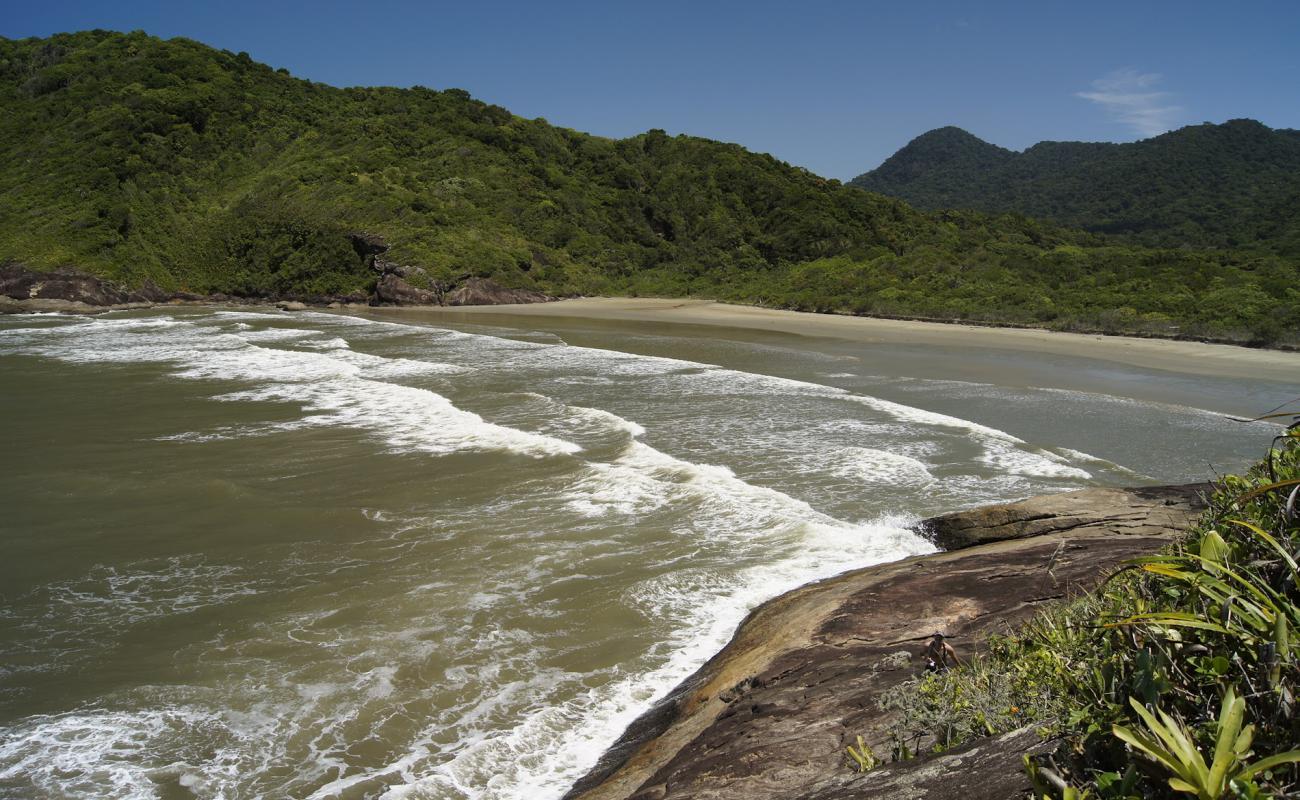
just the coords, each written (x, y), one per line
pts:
(1178, 676)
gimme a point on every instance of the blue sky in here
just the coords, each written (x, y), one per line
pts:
(832, 86)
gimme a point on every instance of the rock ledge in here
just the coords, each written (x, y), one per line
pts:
(769, 716)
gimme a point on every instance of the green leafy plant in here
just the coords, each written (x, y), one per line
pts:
(1170, 743)
(863, 757)
(1153, 677)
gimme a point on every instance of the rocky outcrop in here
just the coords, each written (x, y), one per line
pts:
(405, 285)
(769, 716)
(486, 292)
(1084, 512)
(394, 290)
(63, 284)
(402, 285)
(68, 289)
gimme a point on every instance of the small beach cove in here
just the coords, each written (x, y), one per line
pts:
(355, 553)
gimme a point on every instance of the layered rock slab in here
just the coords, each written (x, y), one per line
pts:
(769, 716)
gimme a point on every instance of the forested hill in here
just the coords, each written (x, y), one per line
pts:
(1230, 185)
(172, 160)
(201, 170)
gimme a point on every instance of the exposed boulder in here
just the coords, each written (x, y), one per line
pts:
(487, 292)
(770, 715)
(393, 290)
(291, 305)
(71, 290)
(65, 284)
(404, 285)
(16, 281)
(1119, 510)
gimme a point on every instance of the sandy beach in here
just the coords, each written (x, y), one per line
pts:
(1226, 361)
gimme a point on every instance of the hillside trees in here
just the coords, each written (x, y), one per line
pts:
(202, 170)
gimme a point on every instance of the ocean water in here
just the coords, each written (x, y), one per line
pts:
(250, 554)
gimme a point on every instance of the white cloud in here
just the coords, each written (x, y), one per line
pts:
(1130, 97)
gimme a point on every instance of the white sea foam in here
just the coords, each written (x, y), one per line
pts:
(245, 316)
(229, 432)
(869, 466)
(117, 754)
(332, 343)
(1002, 450)
(553, 746)
(921, 416)
(277, 334)
(604, 419)
(67, 620)
(408, 419)
(340, 387)
(380, 367)
(1079, 455)
(608, 489)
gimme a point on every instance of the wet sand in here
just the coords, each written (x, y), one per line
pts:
(1195, 358)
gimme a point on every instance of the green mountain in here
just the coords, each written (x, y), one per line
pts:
(1232, 185)
(139, 159)
(192, 166)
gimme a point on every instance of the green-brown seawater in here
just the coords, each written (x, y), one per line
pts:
(251, 554)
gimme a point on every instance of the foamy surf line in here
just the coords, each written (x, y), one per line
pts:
(552, 748)
(337, 386)
(1003, 450)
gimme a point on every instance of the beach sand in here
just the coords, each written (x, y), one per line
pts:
(1195, 358)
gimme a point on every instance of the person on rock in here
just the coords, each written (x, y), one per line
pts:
(938, 653)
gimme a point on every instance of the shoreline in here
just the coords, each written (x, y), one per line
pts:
(1187, 356)
(1190, 357)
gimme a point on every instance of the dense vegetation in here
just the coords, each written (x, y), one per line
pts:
(1179, 677)
(1235, 185)
(198, 169)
